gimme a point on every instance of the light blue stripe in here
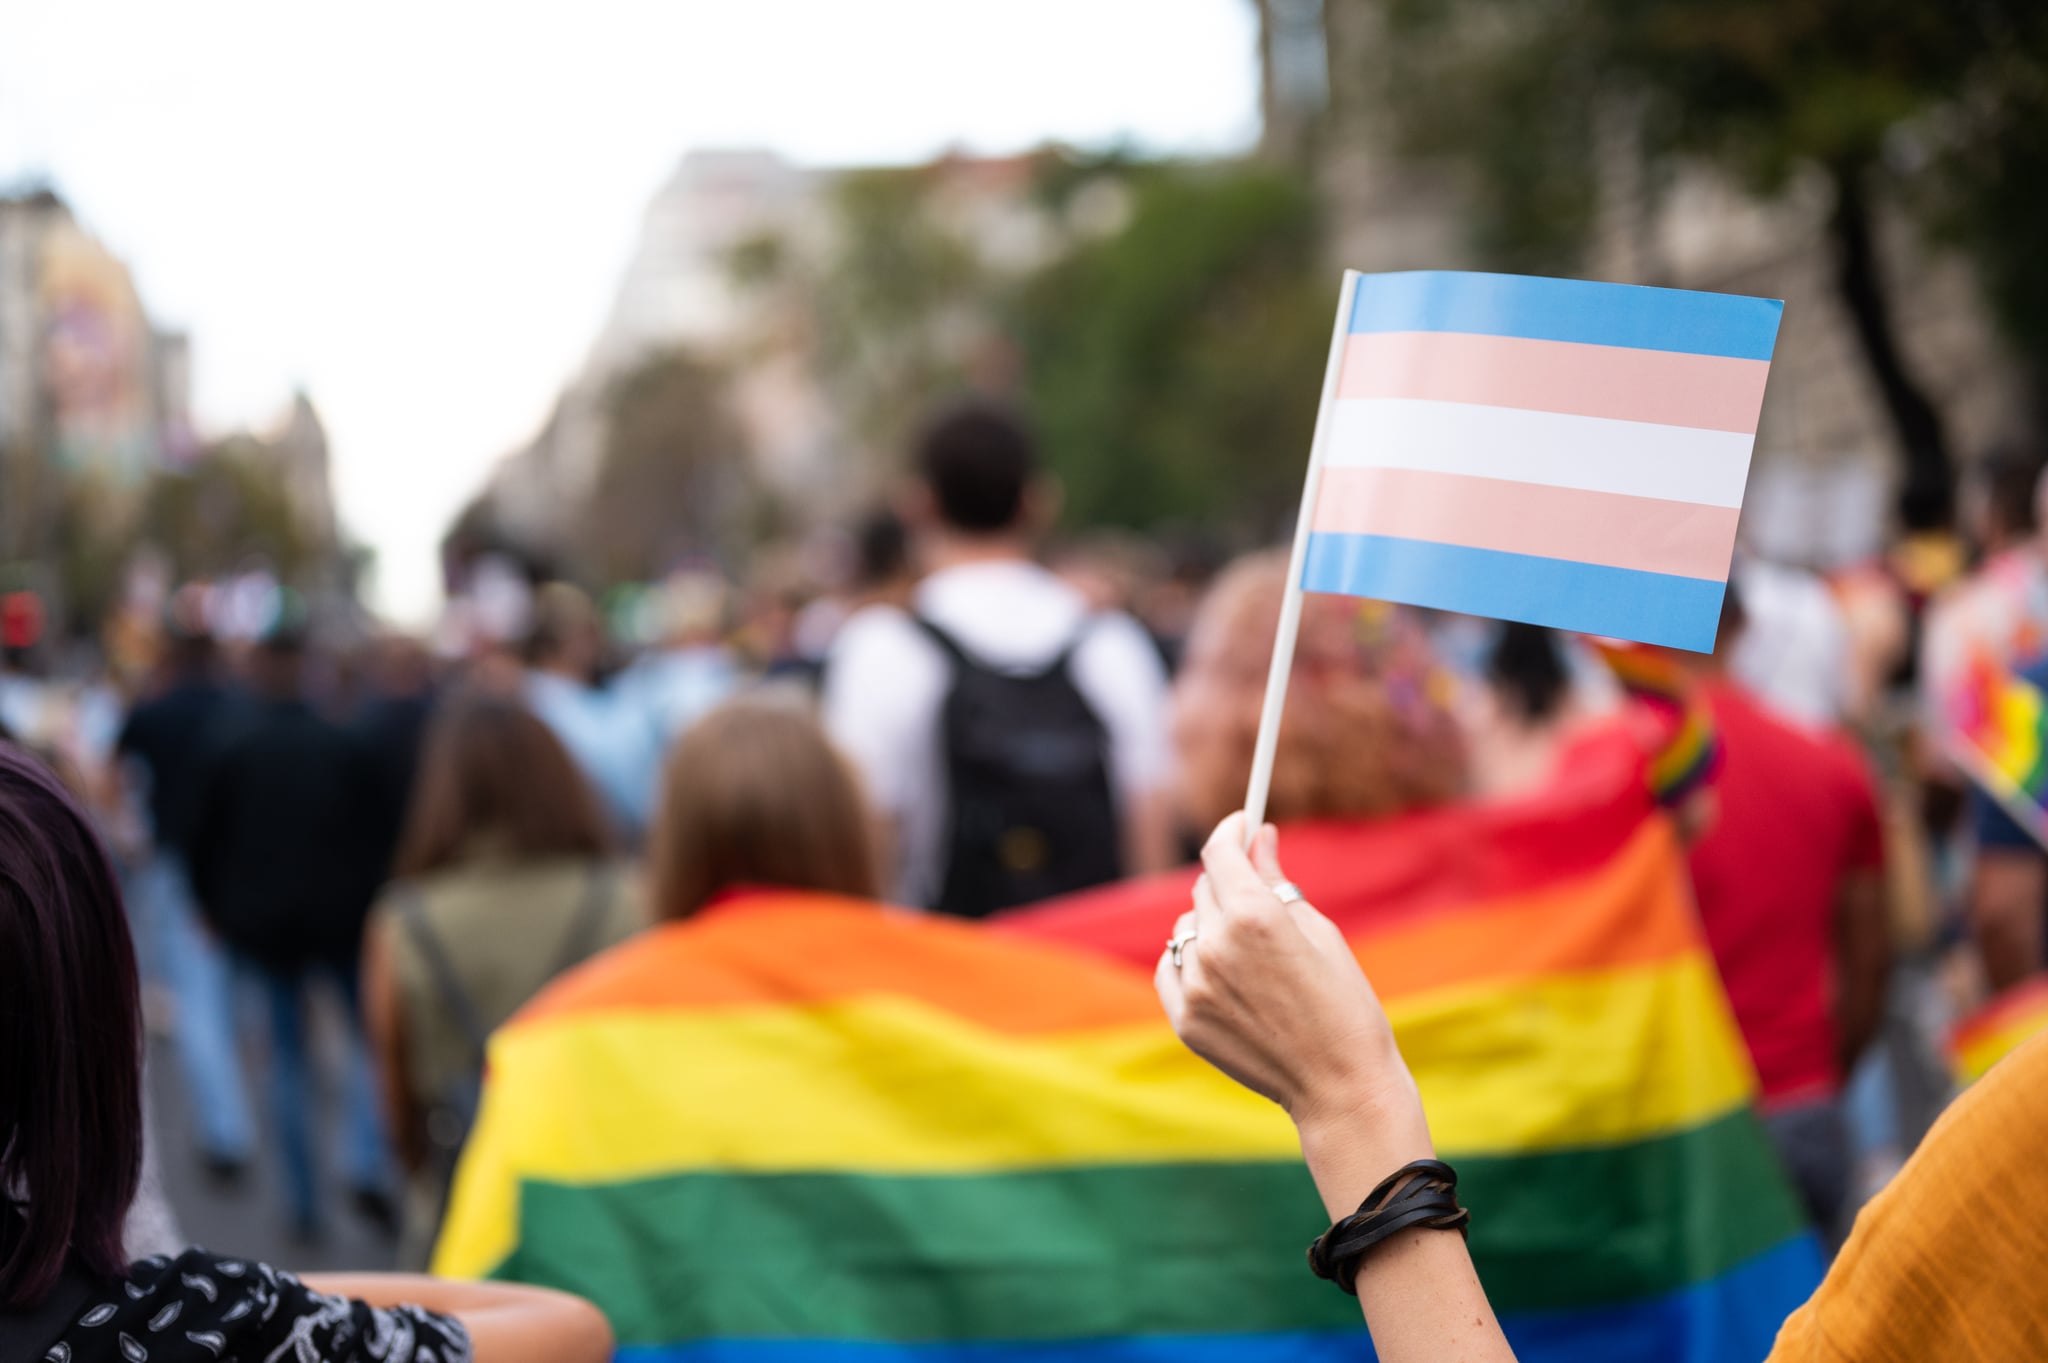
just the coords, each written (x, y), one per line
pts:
(1732, 1319)
(1651, 608)
(1568, 310)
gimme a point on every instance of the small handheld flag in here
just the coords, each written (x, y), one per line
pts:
(2001, 740)
(1999, 1028)
(1552, 451)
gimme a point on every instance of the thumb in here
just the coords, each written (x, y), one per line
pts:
(1266, 854)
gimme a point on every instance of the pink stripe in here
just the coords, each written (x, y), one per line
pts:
(1643, 533)
(1711, 392)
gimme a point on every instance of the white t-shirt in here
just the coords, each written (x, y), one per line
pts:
(886, 680)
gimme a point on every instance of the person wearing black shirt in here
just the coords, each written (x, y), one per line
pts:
(286, 856)
(165, 745)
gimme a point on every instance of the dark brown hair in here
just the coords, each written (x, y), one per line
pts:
(755, 794)
(491, 769)
(70, 1039)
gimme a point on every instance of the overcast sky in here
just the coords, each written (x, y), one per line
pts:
(417, 212)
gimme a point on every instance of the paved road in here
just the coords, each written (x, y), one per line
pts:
(250, 1219)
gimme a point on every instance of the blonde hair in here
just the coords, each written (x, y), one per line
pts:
(1368, 731)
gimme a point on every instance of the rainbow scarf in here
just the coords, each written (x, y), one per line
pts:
(1997, 1029)
(2001, 722)
(803, 1128)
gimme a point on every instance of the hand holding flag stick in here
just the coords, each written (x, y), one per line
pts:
(1553, 451)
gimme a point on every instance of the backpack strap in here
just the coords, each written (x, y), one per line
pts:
(961, 658)
(580, 942)
(412, 911)
(950, 646)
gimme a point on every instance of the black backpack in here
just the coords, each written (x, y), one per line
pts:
(1031, 810)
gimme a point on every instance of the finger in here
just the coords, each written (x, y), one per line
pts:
(1237, 886)
(1204, 913)
(1266, 854)
(1172, 992)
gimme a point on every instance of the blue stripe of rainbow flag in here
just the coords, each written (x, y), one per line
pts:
(1744, 1307)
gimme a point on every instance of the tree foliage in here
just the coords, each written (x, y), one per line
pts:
(231, 505)
(1940, 103)
(673, 477)
(1174, 365)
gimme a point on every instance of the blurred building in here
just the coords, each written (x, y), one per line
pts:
(87, 381)
(689, 288)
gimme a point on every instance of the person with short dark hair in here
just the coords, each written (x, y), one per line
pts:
(505, 879)
(71, 1136)
(1014, 739)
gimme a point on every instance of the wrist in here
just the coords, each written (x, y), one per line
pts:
(1356, 1136)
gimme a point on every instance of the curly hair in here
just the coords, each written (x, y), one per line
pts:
(1368, 730)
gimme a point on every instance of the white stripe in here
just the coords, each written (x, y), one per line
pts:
(1592, 453)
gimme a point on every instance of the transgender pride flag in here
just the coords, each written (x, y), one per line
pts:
(1548, 450)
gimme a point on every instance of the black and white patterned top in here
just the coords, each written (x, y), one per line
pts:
(202, 1308)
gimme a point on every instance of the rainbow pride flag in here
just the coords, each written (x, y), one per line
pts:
(1555, 451)
(1997, 1029)
(1548, 981)
(2001, 728)
(803, 1128)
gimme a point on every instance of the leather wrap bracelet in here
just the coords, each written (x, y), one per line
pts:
(1422, 1194)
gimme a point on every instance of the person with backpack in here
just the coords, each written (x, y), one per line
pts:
(505, 880)
(1014, 741)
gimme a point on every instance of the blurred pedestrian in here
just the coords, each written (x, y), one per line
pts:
(1014, 740)
(505, 879)
(2007, 889)
(392, 723)
(71, 1159)
(1790, 882)
(689, 670)
(609, 741)
(2000, 610)
(286, 858)
(166, 743)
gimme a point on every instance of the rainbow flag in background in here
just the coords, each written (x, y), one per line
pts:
(2001, 721)
(799, 1128)
(1551, 989)
(1998, 1029)
(1555, 451)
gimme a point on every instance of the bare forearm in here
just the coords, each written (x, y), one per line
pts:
(506, 1323)
(1419, 1292)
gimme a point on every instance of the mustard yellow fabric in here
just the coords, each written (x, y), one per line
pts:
(1950, 1263)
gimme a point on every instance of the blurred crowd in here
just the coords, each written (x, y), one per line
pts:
(425, 831)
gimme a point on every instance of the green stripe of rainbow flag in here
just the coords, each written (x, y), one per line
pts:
(800, 1128)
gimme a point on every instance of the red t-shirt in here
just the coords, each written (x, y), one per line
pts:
(1796, 814)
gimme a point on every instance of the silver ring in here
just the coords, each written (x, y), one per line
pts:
(1176, 945)
(1287, 892)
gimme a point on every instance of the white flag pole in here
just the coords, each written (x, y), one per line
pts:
(1290, 605)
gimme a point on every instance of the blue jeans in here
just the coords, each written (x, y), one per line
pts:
(195, 970)
(365, 1158)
